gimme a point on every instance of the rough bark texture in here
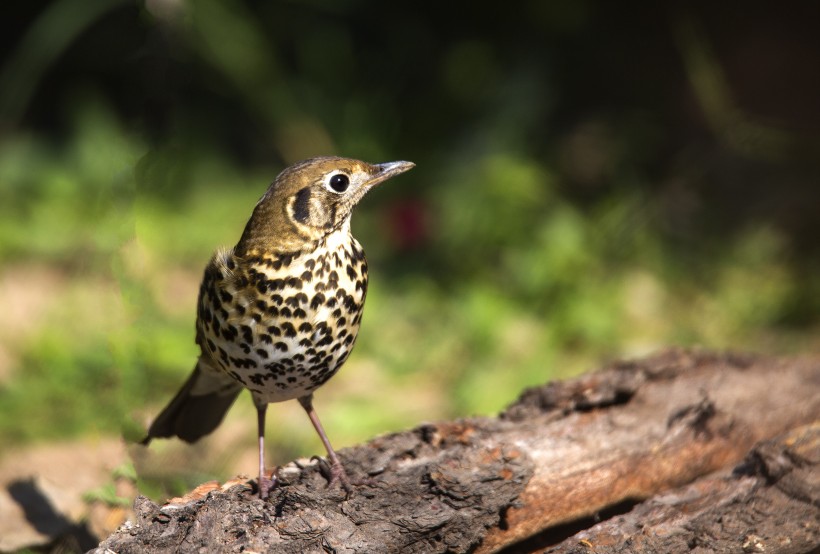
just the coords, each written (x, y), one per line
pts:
(562, 454)
(769, 503)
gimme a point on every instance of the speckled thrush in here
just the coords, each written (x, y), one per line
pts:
(278, 314)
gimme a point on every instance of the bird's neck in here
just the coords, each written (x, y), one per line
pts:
(272, 248)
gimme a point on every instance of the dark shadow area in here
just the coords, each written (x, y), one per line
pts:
(560, 533)
(67, 537)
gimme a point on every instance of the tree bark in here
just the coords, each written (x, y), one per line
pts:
(544, 469)
(769, 503)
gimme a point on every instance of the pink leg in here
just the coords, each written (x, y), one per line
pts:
(265, 484)
(337, 471)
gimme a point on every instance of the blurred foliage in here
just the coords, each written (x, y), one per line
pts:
(583, 192)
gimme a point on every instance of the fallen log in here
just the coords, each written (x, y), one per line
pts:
(561, 454)
(770, 502)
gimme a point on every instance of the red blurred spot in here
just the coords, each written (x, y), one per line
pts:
(408, 224)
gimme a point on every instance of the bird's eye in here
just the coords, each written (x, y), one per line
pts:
(338, 182)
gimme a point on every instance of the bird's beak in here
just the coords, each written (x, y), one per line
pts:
(388, 170)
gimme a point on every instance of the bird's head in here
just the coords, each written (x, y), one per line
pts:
(310, 200)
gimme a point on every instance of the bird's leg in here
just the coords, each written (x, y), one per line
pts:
(337, 470)
(265, 483)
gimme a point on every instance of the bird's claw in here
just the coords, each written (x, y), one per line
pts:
(267, 484)
(335, 475)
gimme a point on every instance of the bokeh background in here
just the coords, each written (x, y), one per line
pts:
(594, 180)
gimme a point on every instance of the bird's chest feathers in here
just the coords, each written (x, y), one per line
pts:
(325, 285)
(285, 314)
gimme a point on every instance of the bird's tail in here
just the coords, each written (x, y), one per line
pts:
(199, 406)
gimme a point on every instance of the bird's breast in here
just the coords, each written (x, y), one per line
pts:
(281, 324)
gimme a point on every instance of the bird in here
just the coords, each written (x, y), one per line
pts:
(279, 313)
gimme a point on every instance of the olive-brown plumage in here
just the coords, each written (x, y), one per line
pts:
(279, 313)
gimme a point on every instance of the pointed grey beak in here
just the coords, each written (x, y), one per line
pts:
(388, 170)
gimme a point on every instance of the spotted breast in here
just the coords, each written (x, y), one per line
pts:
(279, 324)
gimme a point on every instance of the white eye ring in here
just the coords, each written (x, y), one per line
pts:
(337, 182)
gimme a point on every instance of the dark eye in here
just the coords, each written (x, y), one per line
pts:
(339, 182)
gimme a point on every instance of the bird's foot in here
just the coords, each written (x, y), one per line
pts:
(266, 484)
(335, 474)
(338, 475)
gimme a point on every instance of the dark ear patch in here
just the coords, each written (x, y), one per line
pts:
(301, 207)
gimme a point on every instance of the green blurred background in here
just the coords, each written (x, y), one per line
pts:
(594, 180)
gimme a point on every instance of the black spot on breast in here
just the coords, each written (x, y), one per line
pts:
(283, 346)
(275, 331)
(225, 295)
(299, 313)
(247, 333)
(289, 329)
(277, 299)
(262, 353)
(301, 205)
(305, 327)
(307, 276)
(351, 272)
(317, 301)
